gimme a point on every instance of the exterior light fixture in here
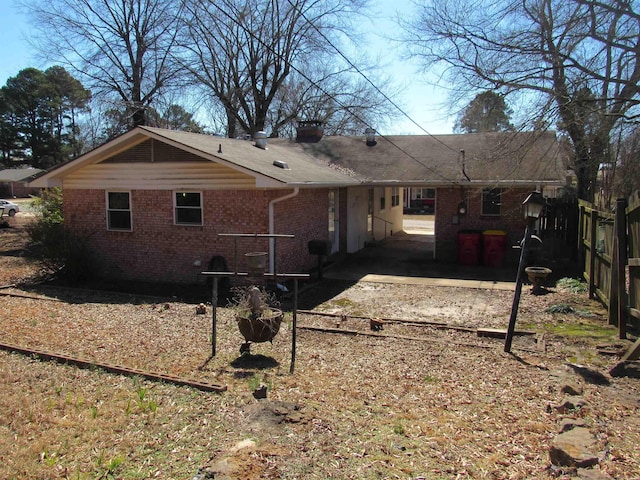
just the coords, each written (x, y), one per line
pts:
(533, 205)
(371, 137)
(462, 208)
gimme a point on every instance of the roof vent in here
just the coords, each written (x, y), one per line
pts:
(261, 139)
(281, 164)
(309, 131)
(371, 137)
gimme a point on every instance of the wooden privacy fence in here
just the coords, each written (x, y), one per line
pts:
(610, 246)
(558, 228)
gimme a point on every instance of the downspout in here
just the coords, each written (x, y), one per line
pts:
(272, 241)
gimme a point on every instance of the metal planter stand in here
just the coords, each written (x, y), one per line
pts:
(255, 271)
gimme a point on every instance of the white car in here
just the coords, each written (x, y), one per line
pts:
(9, 208)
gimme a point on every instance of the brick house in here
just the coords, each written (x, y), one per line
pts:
(153, 203)
(472, 182)
(14, 182)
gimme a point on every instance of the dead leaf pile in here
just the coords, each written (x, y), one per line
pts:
(409, 401)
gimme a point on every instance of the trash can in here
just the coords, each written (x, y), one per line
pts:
(494, 247)
(469, 247)
(319, 247)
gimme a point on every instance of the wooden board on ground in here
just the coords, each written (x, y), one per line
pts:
(633, 353)
(500, 332)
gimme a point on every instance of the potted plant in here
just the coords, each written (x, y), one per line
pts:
(257, 314)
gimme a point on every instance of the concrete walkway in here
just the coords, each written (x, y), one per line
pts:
(427, 281)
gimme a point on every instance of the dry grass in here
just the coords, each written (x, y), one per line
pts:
(446, 405)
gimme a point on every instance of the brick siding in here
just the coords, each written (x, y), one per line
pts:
(510, 220)
(18, 190)
(158, 250)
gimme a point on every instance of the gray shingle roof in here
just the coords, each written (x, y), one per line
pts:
(488, 157)
(302, 168)
(18, 174)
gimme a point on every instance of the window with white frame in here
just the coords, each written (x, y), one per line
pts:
(383, 199)
(491, 201)
(424, 193)
(395, 196)
(119, 211)
(188, 208)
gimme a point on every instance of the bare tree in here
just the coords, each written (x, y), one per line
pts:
(342, 101)
(120, 49)
(624, 173)
(576, 59)
(266, 60)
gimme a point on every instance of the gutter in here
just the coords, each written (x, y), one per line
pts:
(272, 203)
(472, 183)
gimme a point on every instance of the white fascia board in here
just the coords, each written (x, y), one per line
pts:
(267, 182)
(462, 183)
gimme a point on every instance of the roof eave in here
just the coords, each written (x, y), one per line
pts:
(325, 184)
(45, 183)
(461, 183)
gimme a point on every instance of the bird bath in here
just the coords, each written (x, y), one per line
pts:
(537, 277)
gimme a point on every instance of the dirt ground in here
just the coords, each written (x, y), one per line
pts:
(420, 396)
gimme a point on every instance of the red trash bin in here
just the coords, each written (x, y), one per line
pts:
(494, 244)
(469, 247)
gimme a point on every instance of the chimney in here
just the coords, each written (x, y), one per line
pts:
(309, 131)
(261, 139)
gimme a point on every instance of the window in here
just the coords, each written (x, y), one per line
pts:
(188, 208)
(491, 201)
(119, 211)
(425, 193)
(423, 200)
(395, 196)
(383, 199)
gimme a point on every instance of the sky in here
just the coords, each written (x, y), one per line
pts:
(422, 102)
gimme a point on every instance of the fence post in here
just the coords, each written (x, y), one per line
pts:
(621, 243)
(614, 284)
(581, 237)
(593, 232)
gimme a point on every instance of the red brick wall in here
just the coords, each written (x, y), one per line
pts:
(305, 216)
(18, 189)
(510, 220)
(158, 250)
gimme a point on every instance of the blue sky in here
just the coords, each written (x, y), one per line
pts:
(16, 52)
(422, 102)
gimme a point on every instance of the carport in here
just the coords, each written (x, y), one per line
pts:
(410, 254)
